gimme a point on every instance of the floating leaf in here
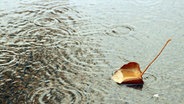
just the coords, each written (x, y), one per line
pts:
(131, 74)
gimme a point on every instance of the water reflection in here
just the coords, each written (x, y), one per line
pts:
(138, 87)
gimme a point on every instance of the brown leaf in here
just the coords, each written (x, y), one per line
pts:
(131, 74)
(128, 74)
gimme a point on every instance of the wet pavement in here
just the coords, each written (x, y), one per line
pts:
(61, 52)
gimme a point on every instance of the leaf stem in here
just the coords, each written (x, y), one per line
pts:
(156, 56)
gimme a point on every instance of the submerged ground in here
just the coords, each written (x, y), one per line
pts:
(54, 51)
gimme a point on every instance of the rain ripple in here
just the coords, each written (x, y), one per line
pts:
(119, 30)
(147, 2)
(57, 95)
(46, 22)
(7, 57)
(50, 58)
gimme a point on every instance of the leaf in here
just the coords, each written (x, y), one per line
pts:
(128, 74)
(131, 74)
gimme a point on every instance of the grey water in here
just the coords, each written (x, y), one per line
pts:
(65, 51)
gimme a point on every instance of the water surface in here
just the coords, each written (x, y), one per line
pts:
(54, 52)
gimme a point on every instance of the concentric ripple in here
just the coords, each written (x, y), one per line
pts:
(46, 36)
(119, 30)
(155, 81)
(149, 78)
(83, 54)
(7, 57)
(57, 95)
(45, 22)
(147, 2)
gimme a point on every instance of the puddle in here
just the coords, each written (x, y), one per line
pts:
(65, 51)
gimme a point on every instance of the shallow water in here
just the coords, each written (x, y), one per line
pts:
(54, 51)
